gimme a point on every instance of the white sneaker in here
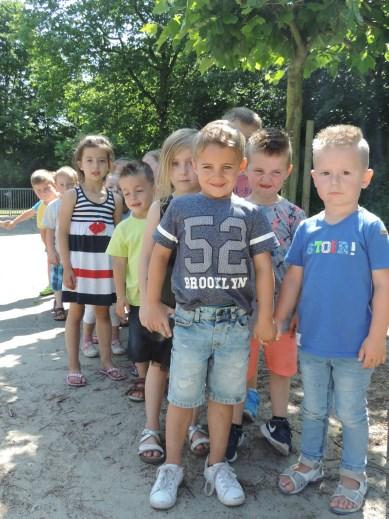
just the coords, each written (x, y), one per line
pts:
(117, 348)
(163, 495)
(222, 478)
(89, 349)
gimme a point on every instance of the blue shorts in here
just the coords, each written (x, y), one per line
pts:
(210, 349)
(56, 273)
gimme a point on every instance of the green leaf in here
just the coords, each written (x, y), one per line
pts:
(150, 28)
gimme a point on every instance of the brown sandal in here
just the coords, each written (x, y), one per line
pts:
(136, 392)
(59, 314)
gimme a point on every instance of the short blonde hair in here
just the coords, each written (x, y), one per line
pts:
(68, 172)
(342, 135)
(41, 176)
(219, 132)
(179, 140)
(270, 141)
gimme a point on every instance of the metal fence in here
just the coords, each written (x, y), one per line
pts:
(15, 200)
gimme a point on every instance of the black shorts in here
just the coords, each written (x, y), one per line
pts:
(143, 346)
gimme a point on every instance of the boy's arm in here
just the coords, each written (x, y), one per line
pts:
(264, 328)
(157, 316)
(50, 245)
(26, 215)
(65, 217)
(153, 218)
(373, 350)
(119, 265)
(117, 216)
(289, 295)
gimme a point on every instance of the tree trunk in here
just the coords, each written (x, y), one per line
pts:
(294, 108)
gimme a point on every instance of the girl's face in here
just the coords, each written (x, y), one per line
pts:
(182, 176)
(94, 164)
(63, 183)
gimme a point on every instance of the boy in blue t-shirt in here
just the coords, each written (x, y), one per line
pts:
(339, 261)
(223, 261)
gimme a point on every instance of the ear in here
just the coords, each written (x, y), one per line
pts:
(290, 169)
(194, 165)
(313, 175)
(243, 164)
(367, 176)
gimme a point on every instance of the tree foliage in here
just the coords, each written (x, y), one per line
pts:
(291, 37)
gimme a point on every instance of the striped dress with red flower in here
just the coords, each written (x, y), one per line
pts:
(91, 228)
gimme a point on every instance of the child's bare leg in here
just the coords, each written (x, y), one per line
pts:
(87, 331)
(279, 394)
(72, 336)
(202, 448)
(115, 333)
(219, 424)
(104, 331)
(58, 299)
(154, 391)
(237, 413)
(177, 423)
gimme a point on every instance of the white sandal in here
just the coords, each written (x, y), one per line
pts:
(355, 496)
(150, 447)
(204, 440)
(301, 479)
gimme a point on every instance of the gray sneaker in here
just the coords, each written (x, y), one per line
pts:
(163, 495)
(89, 349)
(222, 478)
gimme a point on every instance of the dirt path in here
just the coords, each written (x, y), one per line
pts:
(72, 453)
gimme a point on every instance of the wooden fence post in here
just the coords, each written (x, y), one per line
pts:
(309, 129)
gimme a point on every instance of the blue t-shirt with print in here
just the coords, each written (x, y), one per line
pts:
(215, 241)
(338, 260)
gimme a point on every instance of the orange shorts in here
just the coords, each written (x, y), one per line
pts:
(280, 356)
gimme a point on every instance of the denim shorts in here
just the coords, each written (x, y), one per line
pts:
(210, 350)
(56, 273)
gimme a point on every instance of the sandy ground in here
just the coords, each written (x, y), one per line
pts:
(71, 453)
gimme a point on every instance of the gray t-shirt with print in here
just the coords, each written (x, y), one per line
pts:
(215, 241)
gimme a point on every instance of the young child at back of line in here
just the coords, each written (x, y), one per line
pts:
(43, 185)
(65, 178)
(269, 155)
(248, 122)
(175, 178)
(221, 240)
(87, 218)
(339, 261)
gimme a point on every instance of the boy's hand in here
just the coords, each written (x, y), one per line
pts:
(53, 258)
(122, 307)
(293, 325)
(372, 352)
(265, 331)
(69, 279)
(158, 319)
(280, 328)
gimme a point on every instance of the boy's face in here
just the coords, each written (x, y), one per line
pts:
(138, 194)
(267, 174)
(112, 183)
(339, 176)
(45, 191)
(217, 168)
(246, 129)
(63, 183)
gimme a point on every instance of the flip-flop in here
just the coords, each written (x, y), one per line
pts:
(138, 386)
(77, 376)
(113, 373)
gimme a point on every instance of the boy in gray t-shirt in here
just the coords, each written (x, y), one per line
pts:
(223, 262)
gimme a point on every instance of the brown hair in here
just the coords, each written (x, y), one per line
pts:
(41, 176)
(271, 141)
(221, 133)
(134, 168)
(91, 141)
(342, 135)
(244, 115)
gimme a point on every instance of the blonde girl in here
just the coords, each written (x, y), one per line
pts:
(175, 178)
(87, 218)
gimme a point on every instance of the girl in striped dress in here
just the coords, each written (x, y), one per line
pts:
(87, 218)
